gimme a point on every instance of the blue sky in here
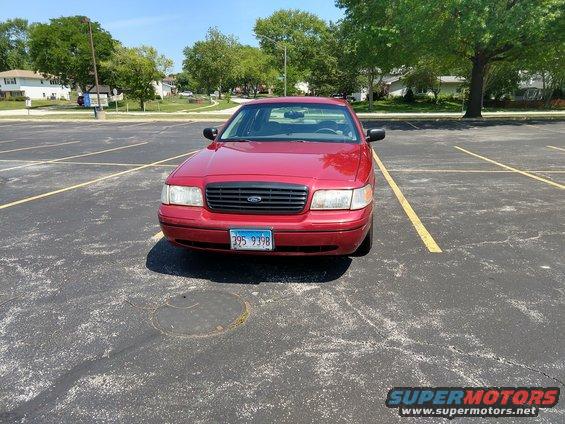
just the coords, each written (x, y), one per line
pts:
(167, 25)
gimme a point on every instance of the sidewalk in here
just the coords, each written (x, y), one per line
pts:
(542, 114)
(23, 114)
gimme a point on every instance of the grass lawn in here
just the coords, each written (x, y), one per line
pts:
(35, 104)
(398, 106)
(174, 104)
(389, 105)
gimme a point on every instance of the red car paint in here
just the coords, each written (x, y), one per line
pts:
(317, 165)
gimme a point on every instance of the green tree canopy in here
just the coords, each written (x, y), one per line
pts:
(211, 62)
(13, 45)
(302, 33)
(135, 69)
(479, 31)
(253, 68)
(378, 38)
(335, 69)
(62, 48)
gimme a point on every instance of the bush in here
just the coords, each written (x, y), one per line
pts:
(14, 99)
(409, 96)
(158, 97)
(228, 97)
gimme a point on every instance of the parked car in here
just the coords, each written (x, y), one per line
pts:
(284, 176)
(186, 94)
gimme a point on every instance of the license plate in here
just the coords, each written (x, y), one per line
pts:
(251, 239)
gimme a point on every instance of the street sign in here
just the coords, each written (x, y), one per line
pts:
(91, 100)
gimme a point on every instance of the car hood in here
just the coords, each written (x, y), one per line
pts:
(317, 160)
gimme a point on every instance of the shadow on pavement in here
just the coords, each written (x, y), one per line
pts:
(242, 269)
(452, 124)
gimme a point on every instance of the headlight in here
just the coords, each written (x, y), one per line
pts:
(181, 195)
(342, 199)
(331, 199)
(362, 197)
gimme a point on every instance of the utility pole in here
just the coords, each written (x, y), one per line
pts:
(86, 20)
(285, 69)
(285, 57)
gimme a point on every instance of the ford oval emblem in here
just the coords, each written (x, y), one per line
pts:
(253, 199)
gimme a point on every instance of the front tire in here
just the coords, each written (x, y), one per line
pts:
(367, 243)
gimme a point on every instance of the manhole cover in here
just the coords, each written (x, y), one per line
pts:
(200, 313)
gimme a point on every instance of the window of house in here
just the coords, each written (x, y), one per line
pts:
(41, 81)
(9, 81)
(44, 95)
(54, 82)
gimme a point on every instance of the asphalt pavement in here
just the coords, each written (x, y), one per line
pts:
(87, 284)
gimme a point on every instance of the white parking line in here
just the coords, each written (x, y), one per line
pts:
(39, 147)
(74, 156)
(87, 183)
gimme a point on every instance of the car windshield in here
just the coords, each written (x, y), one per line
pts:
(292, 122)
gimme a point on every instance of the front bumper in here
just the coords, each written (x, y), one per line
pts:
(308, 233)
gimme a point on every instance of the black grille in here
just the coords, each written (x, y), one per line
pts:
(276, 198)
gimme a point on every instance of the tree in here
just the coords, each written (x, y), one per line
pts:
(135, 69)
(303, 35)
(425, 76)
(13, 45)
(334, 69)
(62, 48)
(487, 31)
(549, 64)
(378, 39)
(211, 62)
(479, 31)
(253, 68)
(185, 82)
(501, 79)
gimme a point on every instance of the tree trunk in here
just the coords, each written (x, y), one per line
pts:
(476, 89)
(370, 91)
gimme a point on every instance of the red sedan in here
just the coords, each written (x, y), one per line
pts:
(284, 176)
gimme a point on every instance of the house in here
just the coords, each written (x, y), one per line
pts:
(23, 83)
(163, 89)
(531, 87)
(450, 85)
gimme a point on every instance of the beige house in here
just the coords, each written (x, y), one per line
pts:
(24, 83)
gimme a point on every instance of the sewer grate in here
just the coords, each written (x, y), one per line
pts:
(200, 313)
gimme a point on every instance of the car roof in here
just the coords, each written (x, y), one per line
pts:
(299, 99)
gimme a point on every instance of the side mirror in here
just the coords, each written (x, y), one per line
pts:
(210, 133)
(375, 134)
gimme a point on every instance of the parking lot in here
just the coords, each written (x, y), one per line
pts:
(463, 287)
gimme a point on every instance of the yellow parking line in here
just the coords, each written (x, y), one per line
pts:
(426, 237)
(157, 236)
(39, 147)
(480, 171)
(86, 183)
(74, 156)
(527, 174)
(556, 148)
